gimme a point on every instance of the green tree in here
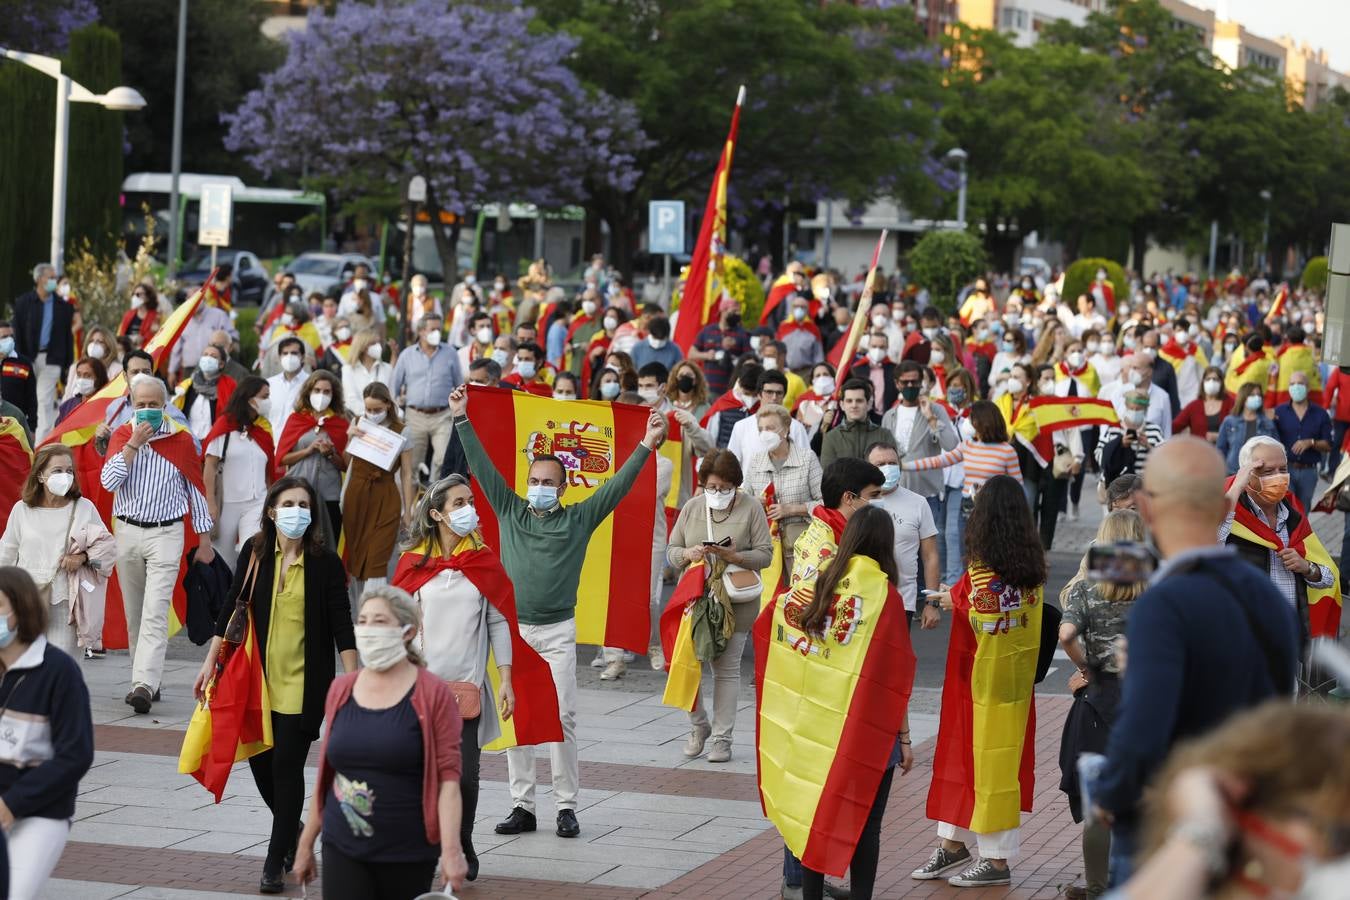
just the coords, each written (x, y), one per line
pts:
(95, 174)
(944, 262)
(1079, 276)
(27, 129)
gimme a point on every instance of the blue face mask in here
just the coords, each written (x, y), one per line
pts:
(7, 634)
(1298, 392)
(956, 396)
(50, 285)
(541, 496)
(464, 520)
(891, 473)
(292, 521)
(152, 417)
(6, 346)
(609, 390)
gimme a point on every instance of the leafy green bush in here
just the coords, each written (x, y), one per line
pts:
(1314, 276)
(944, 262)
(248, 338)
(1080, 275)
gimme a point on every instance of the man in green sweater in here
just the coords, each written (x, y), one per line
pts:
(543, 547)
(857, 432)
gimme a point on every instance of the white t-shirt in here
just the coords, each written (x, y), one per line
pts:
(904, 425)
(245, 469)
(913, 520)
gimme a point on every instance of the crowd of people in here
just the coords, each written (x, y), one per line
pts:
(905, 478)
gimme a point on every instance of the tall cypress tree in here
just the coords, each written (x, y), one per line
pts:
(27, 126)
(94, 181)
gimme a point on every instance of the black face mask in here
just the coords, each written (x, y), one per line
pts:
(734, 320)
(685, 383)
(910, 392)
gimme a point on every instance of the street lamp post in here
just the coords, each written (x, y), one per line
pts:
(959, 156)
(119, 99)
(1265, 236)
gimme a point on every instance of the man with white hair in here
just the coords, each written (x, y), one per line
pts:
(155, 473)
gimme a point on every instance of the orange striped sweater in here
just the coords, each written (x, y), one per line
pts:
(983, 461)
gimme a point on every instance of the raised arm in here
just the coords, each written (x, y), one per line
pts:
(499, 494)
(941, 461)
(600, 504)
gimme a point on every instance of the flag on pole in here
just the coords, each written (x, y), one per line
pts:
(1279, 303)
(673, 450)
(704, 284)
(592, 438)
(841, 356)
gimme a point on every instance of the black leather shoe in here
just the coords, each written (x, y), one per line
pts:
(271, 883)
(567, 824)
(518, 822)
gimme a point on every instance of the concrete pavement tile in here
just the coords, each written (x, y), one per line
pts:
(724, 836)
(236, 819)
(96, 832)
(692, 806)
(665, 756)
(160, 799)
(638, 876)
(161, 893)
(742, 761)
(648, 735)
(656, 839)
(667, 824)
(70, 889)
(544, 868)
(86, 810)
(219, 842)
(599, 702)
(550, 846)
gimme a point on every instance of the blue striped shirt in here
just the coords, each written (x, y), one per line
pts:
(152, 489)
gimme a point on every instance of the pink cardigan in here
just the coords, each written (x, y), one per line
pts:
(433, 702)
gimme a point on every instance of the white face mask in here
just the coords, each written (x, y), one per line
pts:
(375, 352)
(209, 365)
(360, 284)
(483, 335)
(611, 323)
(377, 417)
(1092, 346)
(937, 357)
(1015, 386)
(344, 333)
(63, 290)
(290, 362)
(84, 386)
(419, 290)
(433, 337)
(930, 333)
(319, 401)
(525, 369)
(563, 395)
(876, 355)
(1075, 360)
(287, 320)
(719, 501)
(822, 385)
(1136, 377)
(59, 483)
(967, 429)
(799, 313)
(880, 320)
(588, 307)
(649, 394)
(381, 647)
(655, 343)
(1213, 387)
(770, 441)
(609, 390)
(500, 357)
(755, 341)
(770, 363)
(96, 351)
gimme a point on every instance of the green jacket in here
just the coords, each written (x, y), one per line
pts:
(851, 438)
(543, 552)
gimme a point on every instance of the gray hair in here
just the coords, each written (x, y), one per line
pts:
(40, 268)
(1249, 448)
(404, 608)
(774, 411)
(143, 378)
(423, 527)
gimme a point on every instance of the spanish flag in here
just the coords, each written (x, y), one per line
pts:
(704, 284)
(783, 287)
(536, 717)
(1324, 604)
(773, 575)
(1246, 367)
(1022, 427)
(1279, 303)
(1053, 414)
(1297, 358)
(673, 450)
(829, 707)
(234, 722)
(984, 767)
(684, 670)
(593, 439)
(16, 460)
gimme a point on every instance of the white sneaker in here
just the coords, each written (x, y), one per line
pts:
(599, 661)
(1073, 512)
(698, 736)
(657, 657)
(721, 751)
(615, 669)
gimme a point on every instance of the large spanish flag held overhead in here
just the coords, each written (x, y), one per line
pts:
(1053, 414)
(984, 766)
(704, 283)
(536, 717)
(829, 708)
(593, 439)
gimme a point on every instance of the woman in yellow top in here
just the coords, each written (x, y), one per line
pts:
(297, 591)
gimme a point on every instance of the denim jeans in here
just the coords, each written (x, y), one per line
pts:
(954, 535)
(1303, 484)
(1124, 843)
(1338, 429)
(792, 869)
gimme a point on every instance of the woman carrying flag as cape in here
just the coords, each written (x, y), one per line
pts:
(469, 620)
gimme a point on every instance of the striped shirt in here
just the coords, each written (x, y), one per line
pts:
(983, 461)
(152, 489)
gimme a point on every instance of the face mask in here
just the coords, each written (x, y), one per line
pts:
(377, 418)
(541, 496)
(375, 352)
(892, 475)
(967, 430)
(910, 392)
(930, 333)
(876, 355)
(526, 369)
(84, 386)
(798, 313)
(63, 291)
(292, 521)
(611, 323)
(685, 384)
(564, 396)
(1229, 349)
(1129, 343)
(471, 279)
(770, 363)
(500, 357)
(822, 294)
(880, 320)
(609, 390)
(287, 320)
(499, 285)
(50, 285)
(719, 501)
(1254, 402)
(483, 335)
(649, 395)
(1212, 387)
(655, 343)
(6, 346)
(209, 365)
(344, 333)
(360, 284)
(380, 647)
(822, 385)
(770, 441)
(59, 483)
(152, 417)
(956, 396)
(290, 363)
(911, 327)
(7, 634)
(1013, 319)
(1298, 392)
(1273, 488)
(1015, 386)
(1092, 346)
(755, 341)
(419, 290)
(433, 337)
(463, 520)
(319, 401)
(1136, 377)
(96, 351)
(1048, 386)
(1009, 347)
(1132, 417)
(1183, 337)
(588, 307)
(1075, 360)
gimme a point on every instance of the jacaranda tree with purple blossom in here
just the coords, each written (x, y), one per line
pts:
(43, 26)
(461, 93)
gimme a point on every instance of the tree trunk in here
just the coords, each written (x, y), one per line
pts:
(446, 244)
(1139, 246)
(1073, 240)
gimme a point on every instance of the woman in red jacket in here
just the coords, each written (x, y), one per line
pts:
(1202, 416)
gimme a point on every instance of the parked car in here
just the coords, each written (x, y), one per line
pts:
(248, 276)
(327, 273)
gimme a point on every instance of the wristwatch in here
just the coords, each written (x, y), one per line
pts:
(1314, 573)
(936, 604)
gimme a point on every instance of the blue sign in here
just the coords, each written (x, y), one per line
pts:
(665, 226)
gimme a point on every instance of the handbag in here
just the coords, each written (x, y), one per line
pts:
(1343, 498)
(469, 698)
(741, 585)
(1062, 466)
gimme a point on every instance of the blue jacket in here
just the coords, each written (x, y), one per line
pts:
(1231, 431)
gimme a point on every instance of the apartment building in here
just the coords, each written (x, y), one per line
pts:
(1238, 48)
(1310, 74)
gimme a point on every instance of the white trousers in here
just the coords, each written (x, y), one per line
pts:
(726, 672)
(147, 570)
(238, 521)
(423, 427)
(47, 376)
(994, 845)
(35, 847)
(557, 644)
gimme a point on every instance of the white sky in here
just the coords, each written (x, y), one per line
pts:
(1319, 23)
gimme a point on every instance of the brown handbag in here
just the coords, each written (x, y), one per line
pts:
(469, 698)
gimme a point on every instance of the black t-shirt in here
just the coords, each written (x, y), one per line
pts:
(375, 811)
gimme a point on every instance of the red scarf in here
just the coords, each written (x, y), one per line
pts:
(149, 323)
(578, 321)
(1173, 350)
(259, 430)
(301, 422)
(833, 518)
(1071, 373)
(176, 447)
(790, 325)
(536, 715)
(727, 401)
(982, 348)
(1251, 358)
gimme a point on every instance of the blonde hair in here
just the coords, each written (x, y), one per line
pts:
(404, 608)
(774, 411)
(1119, 525)
(361, 341)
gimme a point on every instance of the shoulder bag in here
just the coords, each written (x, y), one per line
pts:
(742, 585)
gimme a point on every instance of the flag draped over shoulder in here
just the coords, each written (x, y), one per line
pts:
(984, 766)
(704, 284)
(16, 459)
(235, 721)
(1297, 358)
(1324, 604)
(773, 575)
(677, 640)
(535, 720)
(829, 708)
(592, 438)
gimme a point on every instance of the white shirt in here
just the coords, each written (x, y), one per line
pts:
(244, 471)
(1159, 404)
(904, 425)
(744, 441)
(283, 394)
(35, 540)
(1081, 323)
(1108, 367)
(356, 378)
(199, 417)
(347, 305)
(913, 519)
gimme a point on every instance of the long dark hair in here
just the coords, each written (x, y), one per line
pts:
(869, 533)
(1001, 534)
(265, 541)
(239, 411)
